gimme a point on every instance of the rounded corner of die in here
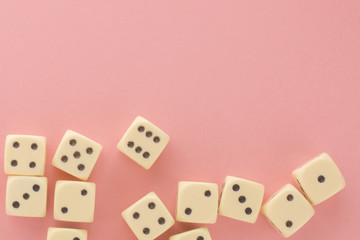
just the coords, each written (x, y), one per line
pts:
(42, 214)
(124, 214)
(261, 187)
(7, 210)
(285, 235)
(324, 155)
(343, 184)
(6, 169)
(54, 162)
(59, 184)
(83, 178)
(288, 186)
(40, 173)
(215, 186)
(227, 178)
(10, 179)
(120, 145)
(294, 172)
(166, 138)
(312, 211)
(92, 185)
(69, 132)
(42, 139)
(181, 185)
(90, 220)
(56, 216)
(178, 218)
(9, 137)
(50, 231)
(146, 166)
(212, 220)
(139, 118)
(84, 232)
(44, 179)
(171, 221)
(152, 194)
(264, 209)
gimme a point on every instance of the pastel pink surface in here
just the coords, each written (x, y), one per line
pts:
(245, 88)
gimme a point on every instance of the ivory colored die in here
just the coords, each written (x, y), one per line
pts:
(26, 196)
(196, 234)
(197, 202)
(288, 210)
(143, 142)
(77, 155)
(74, 201)
(66, 234)
(25, 155)
(148, 218)
(241, 199)
(319, 178)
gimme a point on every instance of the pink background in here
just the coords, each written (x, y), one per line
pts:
(245, 88)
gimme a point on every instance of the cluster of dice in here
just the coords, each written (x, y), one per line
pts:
(197, 202)
(26, 190)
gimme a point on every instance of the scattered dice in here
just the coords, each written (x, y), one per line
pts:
(66, 234)
(143, 142)
(77, 155)
(196, 234)
(197, 202)
(288, 210)
(319, 178)
(148, 218)
(26, 196)
(25, 155)
(74, 201)
(241, 199)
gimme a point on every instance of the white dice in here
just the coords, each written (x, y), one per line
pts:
(197, 202)
(66, 234)
(319, 178)
(74, 201)
(26, 196)
(148, 218)
(25, 155)
(241, 199)
(77, 155)
(288, 210)
(143, 142)
(196, 234)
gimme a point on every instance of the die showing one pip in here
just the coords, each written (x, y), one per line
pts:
(148, 218)
(288, 210)
(195, 234)
(197, 202)
(25, 155)
(143, 142)
(241, 199)
(26, 196)
(74, 201)
(319, 178)
(66, 234)
(77, 155)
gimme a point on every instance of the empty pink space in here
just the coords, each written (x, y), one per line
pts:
(246, 88)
